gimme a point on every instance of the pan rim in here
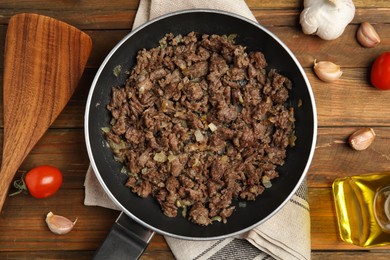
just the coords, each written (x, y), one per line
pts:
(94, 84)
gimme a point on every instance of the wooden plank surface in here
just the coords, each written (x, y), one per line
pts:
(345, 50)
(67, 151)
(122, 18)
(342, 107)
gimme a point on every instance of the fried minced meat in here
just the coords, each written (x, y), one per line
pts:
(199, 123)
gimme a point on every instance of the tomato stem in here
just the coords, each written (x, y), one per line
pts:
(20, 185)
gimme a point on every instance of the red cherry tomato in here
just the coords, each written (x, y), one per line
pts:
(43, 181)
(380, 72)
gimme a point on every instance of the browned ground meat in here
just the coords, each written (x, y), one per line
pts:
(199, 123)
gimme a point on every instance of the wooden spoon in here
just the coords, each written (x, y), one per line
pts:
(43, 62)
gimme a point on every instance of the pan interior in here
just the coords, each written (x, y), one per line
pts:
(147, 211)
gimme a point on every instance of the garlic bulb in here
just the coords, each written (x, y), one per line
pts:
(327, 71)
(326, 18)
(59, 224)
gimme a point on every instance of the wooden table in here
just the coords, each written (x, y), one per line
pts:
(343, 107)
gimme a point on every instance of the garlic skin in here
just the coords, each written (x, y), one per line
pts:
(326, 18)
(327, 71)
(59, 224)
(367, 36)
(362, 139)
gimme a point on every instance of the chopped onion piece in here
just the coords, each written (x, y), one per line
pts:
(172, 157)
(117, 70)
(191, 147)
(124, 170)
(212, 127)
(225, 158)
(196, 163)
(199, 136)
(266, 181)
(160, 157)
(117, 147)
(184, 212)
(105, 129)
(216, 218)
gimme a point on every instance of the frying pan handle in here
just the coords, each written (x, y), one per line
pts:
(127, 240)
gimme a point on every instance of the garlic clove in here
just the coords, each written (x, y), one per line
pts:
(59, 224)
(327, 71)
(367, 36)
(362, 139)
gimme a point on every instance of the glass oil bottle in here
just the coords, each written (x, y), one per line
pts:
(363, 209)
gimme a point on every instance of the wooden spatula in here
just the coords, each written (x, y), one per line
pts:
(43, 61)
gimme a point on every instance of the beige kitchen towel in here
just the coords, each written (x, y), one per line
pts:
(286, 235)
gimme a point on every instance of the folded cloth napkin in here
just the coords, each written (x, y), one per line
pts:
(286, 235)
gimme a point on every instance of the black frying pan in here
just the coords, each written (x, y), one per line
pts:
(147, 212)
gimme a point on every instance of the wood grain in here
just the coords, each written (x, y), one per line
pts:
(94, 222)
(120, 14)
(133, 5)
(284, 23)
(66, 148)
(44, 60)
(343, 106)
(68, 153)
(345, 50)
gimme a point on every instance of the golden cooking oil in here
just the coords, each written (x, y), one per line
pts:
(363, 209)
